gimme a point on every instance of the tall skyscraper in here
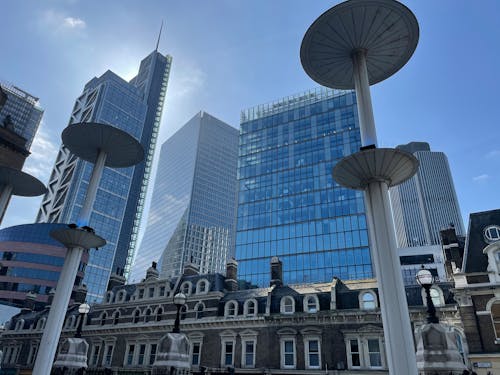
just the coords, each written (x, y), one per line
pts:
(193, 207)
(135, 107)
(21, 111)
(288, 204)
(426, 203)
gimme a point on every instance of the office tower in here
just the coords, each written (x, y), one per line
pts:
(193, 207)
(21, 112)
(30, 264)
(288, 204)
(427, 202)
(135, 107)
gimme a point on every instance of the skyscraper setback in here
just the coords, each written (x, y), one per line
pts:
(288, 204)
(426, 203)
(135, 107)
(192, 214)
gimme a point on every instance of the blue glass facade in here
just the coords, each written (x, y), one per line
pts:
(136, 108)
(288, 205)
(192, 214)
(31, 261)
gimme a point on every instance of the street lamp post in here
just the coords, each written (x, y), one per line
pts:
(83, 310)
(179, 301)
(425, 280)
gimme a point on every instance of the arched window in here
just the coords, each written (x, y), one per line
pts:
(136, 316)
(250, 308)
(19, 325)
(159, 314)
(202, 286)
(287, 305)
(120, 297)
(41, 324)
(116, 317)
(147, 314)
(183, 312)
(109, 297)
(199, 310)
(104, 316)
(436, 296)
(231, 309)
(311, 304)
(367, 300)
(186, 288)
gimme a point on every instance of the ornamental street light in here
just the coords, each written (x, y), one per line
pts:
(425, 280)
(83, 310)
(179, 301)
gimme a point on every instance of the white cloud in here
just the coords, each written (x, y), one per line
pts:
(481, 178)
(43, 154)
(74, 22)
(58, 22)
(186, 80)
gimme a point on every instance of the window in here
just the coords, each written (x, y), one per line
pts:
(287, 305)
(248, 357)
(116, 317)
(94, 357)
(374, 355)
(162, 291)
(141, 293)
(312, 353)
(199, 310)
(495, 318)
(152, 353)
(147, 314)
(186, 288)
(311, 304)
(183, 312)
(142, 352)
(104, 316)
(367, 300)
(288, 353)
(109, 297)
(151, 292)
(227, 353)
(159, 314)
(492, 233)
(136, 316)
(32, 354)
(436, 296)
(354, 353)
(195, 353)
(108, 355)
(250, 308)
(202, 287)
(231, 309)
(130, 355)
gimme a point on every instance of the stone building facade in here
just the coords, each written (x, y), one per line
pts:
(314, 328)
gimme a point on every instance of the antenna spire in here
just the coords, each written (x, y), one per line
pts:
(159, 35)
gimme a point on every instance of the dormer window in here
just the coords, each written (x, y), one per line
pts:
(250, 308)
(287, 305)
(136, 316)
(367, 300)
(311, 304)
(492, 233)
(202, 287)
(186, 288)
(231, 309)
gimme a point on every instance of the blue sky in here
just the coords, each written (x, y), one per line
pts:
(230, 55)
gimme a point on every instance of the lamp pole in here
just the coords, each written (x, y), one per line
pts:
(425, 280)
(179, 301)
(83, 310)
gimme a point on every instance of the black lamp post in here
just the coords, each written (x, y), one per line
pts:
(179, 301)
(83, 309)
(425, 279)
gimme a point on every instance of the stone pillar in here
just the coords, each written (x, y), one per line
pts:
(437, 352)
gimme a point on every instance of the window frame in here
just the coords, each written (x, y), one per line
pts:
(362, 302)
(227, 309)
(246, 307)
(224, 353)
(283, 353)
(307, 353)
(283, 305)
(306, 302)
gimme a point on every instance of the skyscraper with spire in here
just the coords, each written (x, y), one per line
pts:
(135, 107)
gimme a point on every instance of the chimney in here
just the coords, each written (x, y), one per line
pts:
(116, 279)
(152, 273)
(231, 281)
(30, 301)
(80, 294)
(190, 269)
(276, 272)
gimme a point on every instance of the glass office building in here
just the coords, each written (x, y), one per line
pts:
(193, 208)
(23, 111)
(136, 108)
(31, 261)
(288, 205)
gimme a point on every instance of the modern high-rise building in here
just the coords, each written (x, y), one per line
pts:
(193, 208)
(289, 206)
(21, 111)
(135, 107)
(427, 202)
